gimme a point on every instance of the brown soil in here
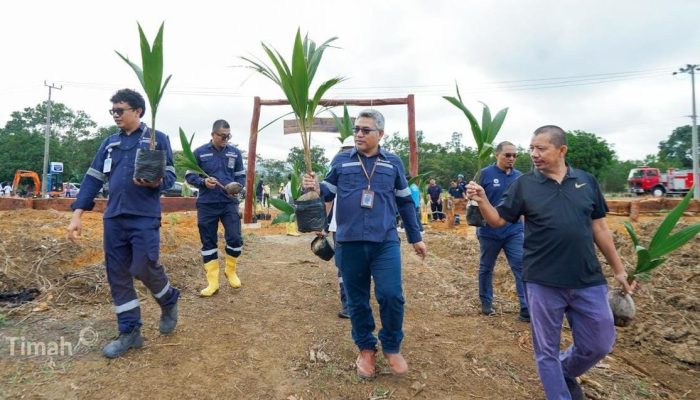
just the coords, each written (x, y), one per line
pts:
(278, 337)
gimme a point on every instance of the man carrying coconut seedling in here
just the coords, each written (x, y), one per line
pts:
(369, 186)
(564, 213)
(495, 179)
(223, 164)
(131, 221)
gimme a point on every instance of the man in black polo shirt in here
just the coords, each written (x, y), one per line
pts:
(564, 213)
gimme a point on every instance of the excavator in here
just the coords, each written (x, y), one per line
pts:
(34, 188)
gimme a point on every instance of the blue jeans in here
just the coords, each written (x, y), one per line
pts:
(490, 246)
(592, 329)
(360, 262)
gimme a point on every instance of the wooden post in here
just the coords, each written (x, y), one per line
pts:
(250, 171)
(412, 143)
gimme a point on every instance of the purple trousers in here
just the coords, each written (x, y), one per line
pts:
(592, 328)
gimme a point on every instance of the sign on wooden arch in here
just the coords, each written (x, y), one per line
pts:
(253, 140)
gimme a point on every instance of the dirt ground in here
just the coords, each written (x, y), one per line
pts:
(278, 337)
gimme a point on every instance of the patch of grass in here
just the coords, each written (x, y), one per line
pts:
(643, 388)
(3, 320)
(380, 393)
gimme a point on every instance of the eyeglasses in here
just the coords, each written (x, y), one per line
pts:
(365, 130)
(510, 155)
(223, 136)
(118, 111)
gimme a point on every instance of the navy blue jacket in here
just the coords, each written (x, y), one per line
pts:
(346, 182)
(125, 197)
(495, 181)
(226, 165)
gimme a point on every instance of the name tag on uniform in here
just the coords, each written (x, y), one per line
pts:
(107, 167)
(367, 200)
(231, 162)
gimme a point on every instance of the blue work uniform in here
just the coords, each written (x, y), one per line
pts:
(367, 242)
(131, 222)
(509, 237)
(214, 205)
(435, 193)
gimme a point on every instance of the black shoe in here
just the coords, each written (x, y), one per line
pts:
(343, 314)
(574, 389)
(486, 309)
(524, 316)
(168, 319)
(123, 343)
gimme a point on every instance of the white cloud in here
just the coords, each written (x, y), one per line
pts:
(387, 49)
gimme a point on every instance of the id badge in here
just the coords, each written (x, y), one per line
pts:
(231, 162)
(107, 167)
(367, 200)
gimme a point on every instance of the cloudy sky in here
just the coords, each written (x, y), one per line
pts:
(600, 66)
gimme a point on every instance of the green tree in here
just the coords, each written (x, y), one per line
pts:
(523, 163)
(676, 151)
(614, 178)
(74, 140)
(319, 161)
(589, 152)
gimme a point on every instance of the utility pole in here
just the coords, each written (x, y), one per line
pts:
(45, 175)
(691, 68)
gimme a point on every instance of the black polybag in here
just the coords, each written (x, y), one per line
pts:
(474, 217)
(322, 248)
(150, 164)
(310, 215)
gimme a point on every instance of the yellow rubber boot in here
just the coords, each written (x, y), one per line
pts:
(292, 229)
(212, 268)
(230, 272)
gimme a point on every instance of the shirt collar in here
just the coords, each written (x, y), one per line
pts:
(571, 173)
(382, 152)
(138, 132)
(211, 146)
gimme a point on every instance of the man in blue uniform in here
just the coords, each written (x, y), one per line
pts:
(564, 213)
(224, 164)
(131, 221)
(435, 193)
(369, 185)
(495, 179)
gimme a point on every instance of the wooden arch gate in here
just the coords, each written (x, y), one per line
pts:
(253, 140)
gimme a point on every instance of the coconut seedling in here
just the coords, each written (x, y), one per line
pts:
(484, 137)
(190, 162)
(648, 258)
(295, 78)
(344, 125)
(287, 211)
(150, 164)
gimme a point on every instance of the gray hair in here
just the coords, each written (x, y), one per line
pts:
(500, 146)
(557, 136)
(218, 124)
(375, 115)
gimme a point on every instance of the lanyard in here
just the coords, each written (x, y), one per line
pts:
(368, 176)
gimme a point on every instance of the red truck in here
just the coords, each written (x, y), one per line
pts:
(643, 180)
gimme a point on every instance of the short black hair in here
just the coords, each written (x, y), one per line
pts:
(557, 136)
(499, 147)
(218, 124)
(130, 97)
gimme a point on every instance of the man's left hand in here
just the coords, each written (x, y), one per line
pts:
(144, 183)
(626, 286)
(421, 249)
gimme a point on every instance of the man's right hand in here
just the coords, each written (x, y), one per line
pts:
(210, 182)
(475, 192)
(309, 182)
(75, 227)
